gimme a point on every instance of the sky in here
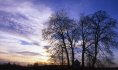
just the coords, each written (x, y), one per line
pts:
(22, 21)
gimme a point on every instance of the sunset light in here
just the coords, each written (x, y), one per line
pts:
(58, 34)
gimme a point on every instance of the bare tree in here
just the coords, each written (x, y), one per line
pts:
(72, 37)
(84, 35)
(57, 54)
(102, 28)
(97, 33)
(58, 29)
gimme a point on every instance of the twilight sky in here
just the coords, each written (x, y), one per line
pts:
(21, 22)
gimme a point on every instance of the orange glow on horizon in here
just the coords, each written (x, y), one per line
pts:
(24, 60)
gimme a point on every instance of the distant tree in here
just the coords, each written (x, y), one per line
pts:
(36, 64)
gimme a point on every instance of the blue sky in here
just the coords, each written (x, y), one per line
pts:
(21, 22)
(75, 7)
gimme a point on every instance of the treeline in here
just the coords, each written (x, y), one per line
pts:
(92, 38)
(10, 66)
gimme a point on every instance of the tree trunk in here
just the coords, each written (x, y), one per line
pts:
(95, 57)
(68, 61)
(72, 48)
(96, 49)
(62, 57)
(73, 55)
(65, 47)
(83, 45)
(83, 51)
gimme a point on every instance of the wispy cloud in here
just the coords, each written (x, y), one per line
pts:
(21, 22)
(29, 53)
(23, 17)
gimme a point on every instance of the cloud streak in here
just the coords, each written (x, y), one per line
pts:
(23, 17)
(21, 23)
(29, 53)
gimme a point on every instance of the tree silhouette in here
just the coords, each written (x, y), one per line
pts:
(84, 35)
(102, 35)
(97, 33)
(58, 29)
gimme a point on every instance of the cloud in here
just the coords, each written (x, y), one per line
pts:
(29, 53)
(11, 46)
(3, 52)
(21, 22)
(23, 42)
(23, 17)
(10, 42)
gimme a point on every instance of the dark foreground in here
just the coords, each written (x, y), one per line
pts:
(48, 67)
